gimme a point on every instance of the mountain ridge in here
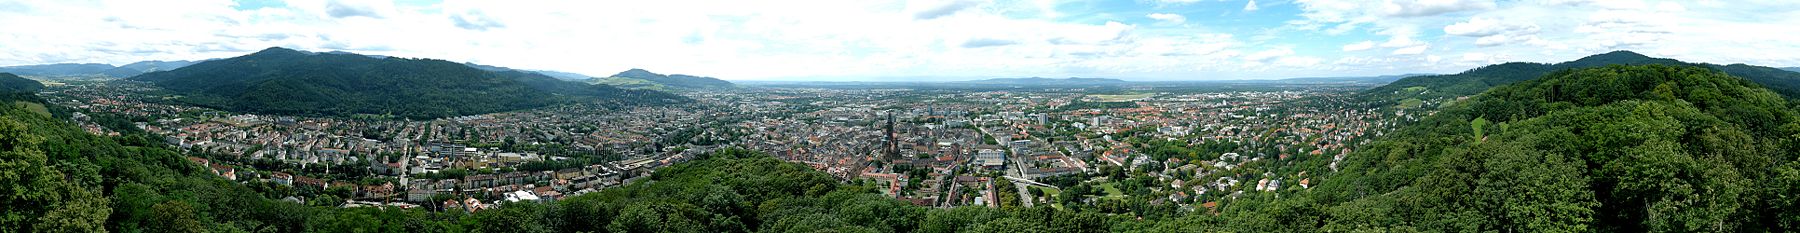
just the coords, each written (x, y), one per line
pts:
(675, 81)
(286, 81)
(1473, 81)
(13, 83)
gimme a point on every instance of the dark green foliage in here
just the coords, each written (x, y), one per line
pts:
(1439, 87)
(283, 81)
(14, 83)
(1616, 148)
(676, 80)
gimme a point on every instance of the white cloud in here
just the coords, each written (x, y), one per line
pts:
(1359, 46)
(1400, 36)
(1414, 8)
(1270, 54)
(1166, 17)
(1413, 50)
(1480, 26)
(941, 9)
(1492, 32)
(342, 9)
(1250, 6)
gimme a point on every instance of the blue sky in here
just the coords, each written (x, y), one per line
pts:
(897, 40)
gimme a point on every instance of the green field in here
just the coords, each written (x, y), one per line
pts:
(1111, 192)
(1411, 103)
(1122, 98)
(33, 107)
(1048, 191)
(1050, 194)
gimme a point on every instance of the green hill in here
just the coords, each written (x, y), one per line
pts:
(284, 81)
(630, 83)
(1443, 87)
(676, 81)
(14, 83)
(1614, 149)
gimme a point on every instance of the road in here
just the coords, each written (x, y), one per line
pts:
(1024, 189)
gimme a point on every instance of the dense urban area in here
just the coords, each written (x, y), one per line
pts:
(1061, 147)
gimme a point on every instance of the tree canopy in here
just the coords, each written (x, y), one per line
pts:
(284, 81)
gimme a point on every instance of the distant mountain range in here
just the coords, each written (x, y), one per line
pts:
(10, 83)
(1476, 80)
(286, 81)
(1365, 79)
(644, 79)
(1794, 69)
(564, 75)
(551, 73)
(61, 70)
(1047, 81)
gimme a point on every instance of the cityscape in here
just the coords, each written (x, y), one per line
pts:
(935, 148)
(899, 116)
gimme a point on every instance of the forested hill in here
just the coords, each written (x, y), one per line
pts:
(14, 83)
(284, 81)
(1442, 87)
(680, 81)
(1614, 149)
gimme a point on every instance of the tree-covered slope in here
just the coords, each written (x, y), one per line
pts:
(14, 83)
(1442, 87)
(284, 81)
(136, 68)
(55, 177)
(680, 81)
(1615, 148)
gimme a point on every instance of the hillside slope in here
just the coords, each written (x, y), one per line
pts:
(14, 83)
(677, 81)
(284, 81)
(1442, 87)
(1615, 148)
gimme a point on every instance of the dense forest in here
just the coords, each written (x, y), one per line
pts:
(14, 83)
(1617, 148)
(680, 81)
(1474, 81)
(290, 82)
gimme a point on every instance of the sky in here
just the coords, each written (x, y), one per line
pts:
(927, 40)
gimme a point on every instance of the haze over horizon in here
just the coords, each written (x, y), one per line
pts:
(935, 40)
